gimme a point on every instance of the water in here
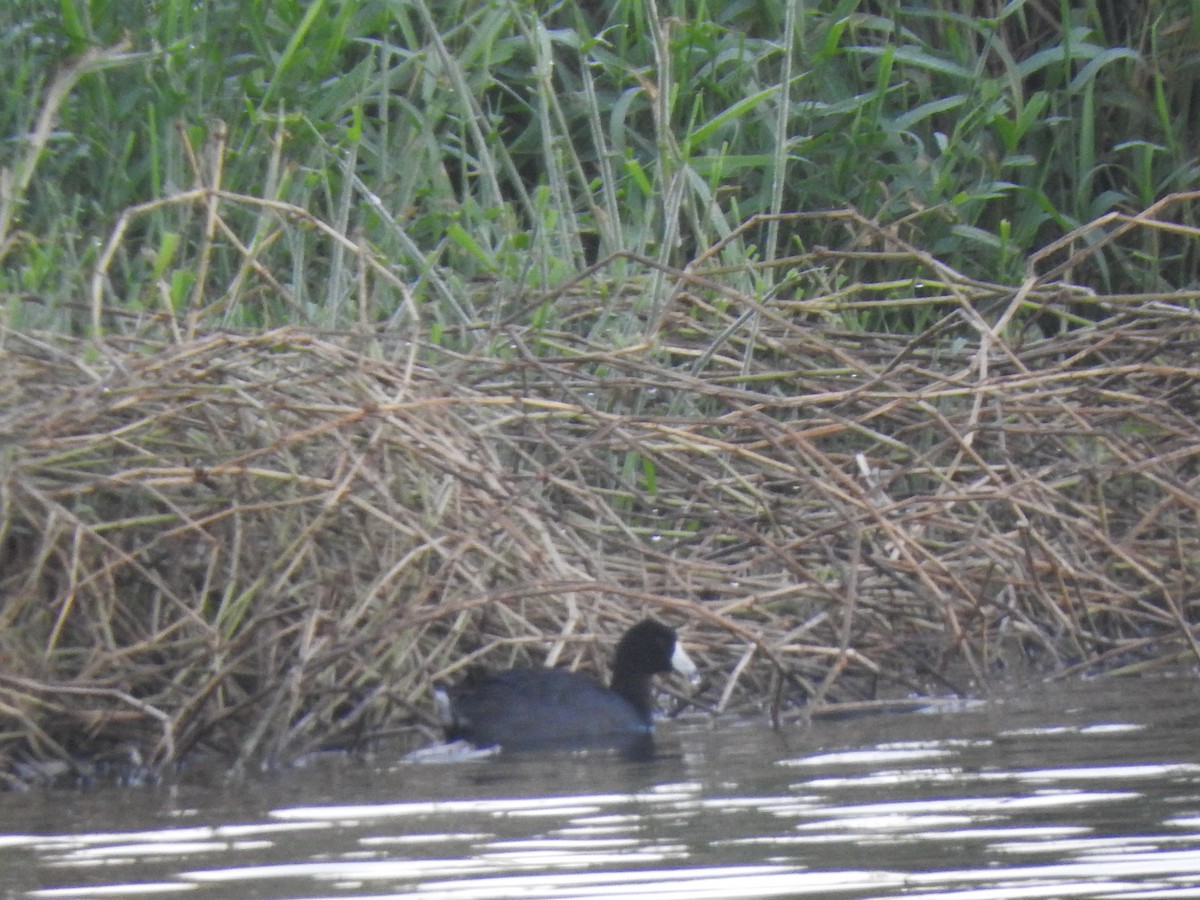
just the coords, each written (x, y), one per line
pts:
(1083, 791)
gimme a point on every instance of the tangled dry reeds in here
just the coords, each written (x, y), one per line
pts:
(261, 545)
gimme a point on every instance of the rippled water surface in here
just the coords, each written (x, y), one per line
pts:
(1083, 791)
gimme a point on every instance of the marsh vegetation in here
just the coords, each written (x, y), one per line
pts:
(350, 343)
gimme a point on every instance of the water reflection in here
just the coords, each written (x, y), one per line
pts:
(1088, 792)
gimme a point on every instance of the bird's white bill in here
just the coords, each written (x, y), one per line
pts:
(682, 663)
(443, 706)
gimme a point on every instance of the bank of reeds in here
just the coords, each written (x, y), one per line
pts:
(260, 545)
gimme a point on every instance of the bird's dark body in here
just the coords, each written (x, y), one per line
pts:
(528, 709)
(523, 709)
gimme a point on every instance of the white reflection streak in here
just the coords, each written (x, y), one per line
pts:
(699, 882)
(1109, 773)
(585, 804)
(114, 890)
(1064, 876)
(977, 805)
(120, 852)
(165, 836)
(868, 757)
(955, 775)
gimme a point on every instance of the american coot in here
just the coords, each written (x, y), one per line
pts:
(524, 709)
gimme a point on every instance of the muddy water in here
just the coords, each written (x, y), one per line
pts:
(1090, 790)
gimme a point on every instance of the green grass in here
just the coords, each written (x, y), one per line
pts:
(486, 151)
